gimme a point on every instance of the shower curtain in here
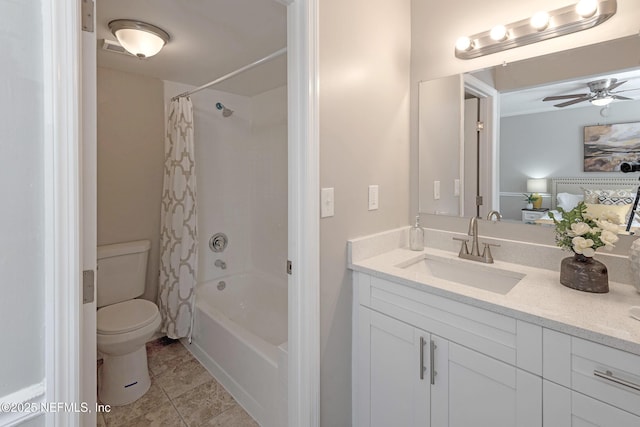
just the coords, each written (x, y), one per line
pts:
(178, 236)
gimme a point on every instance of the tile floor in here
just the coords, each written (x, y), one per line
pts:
(182, 394)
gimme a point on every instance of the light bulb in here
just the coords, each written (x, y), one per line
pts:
(586, 8)
(602, 101)
(498, 33)
(464, 44)
(540, 20)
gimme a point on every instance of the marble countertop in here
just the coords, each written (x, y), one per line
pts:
(538, 298)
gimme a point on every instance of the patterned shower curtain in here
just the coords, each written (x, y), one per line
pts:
(178, 239)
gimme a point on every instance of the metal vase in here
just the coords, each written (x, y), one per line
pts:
(584, 274)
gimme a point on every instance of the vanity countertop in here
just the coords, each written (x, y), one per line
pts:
(538, 298)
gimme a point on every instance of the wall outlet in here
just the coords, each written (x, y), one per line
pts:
(326, 202)
(373, 197)
(436, 190)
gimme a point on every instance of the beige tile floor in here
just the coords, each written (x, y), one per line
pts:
(182, 394)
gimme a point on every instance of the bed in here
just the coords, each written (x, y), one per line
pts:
(613, 194)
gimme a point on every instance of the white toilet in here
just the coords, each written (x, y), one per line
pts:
(124, 323)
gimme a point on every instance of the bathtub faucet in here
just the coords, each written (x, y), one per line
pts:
(220, 263)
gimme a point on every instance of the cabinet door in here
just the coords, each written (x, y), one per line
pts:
(567, 408)
(393, 386)
(471, 389)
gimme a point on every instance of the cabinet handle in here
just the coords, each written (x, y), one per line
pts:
(423, 342)
(608, 375)
(432, 350)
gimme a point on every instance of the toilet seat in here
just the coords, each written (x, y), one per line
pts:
(126, 316)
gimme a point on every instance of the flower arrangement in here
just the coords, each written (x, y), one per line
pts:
(530, 198)
(581, 233)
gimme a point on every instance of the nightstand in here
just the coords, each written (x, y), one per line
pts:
(530, 215)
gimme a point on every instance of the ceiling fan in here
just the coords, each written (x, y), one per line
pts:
(600, 94)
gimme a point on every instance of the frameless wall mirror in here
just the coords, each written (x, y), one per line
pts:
(484, 135)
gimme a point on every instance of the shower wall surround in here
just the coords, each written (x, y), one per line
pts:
(241, 166)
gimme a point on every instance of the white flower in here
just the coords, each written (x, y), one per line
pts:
(583, 246)
(607, 225)
(579, 228)
(609, 238)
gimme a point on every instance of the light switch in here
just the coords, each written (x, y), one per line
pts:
(373, 197)
(326, 202)
(456, 187)
(436, 190)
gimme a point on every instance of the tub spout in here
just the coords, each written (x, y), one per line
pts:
(220, 263)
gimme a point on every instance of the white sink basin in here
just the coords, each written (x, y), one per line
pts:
(478, 276)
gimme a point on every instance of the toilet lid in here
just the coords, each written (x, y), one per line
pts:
(126, 316)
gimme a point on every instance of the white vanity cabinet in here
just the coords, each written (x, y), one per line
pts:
(589, 384)
(425, 360)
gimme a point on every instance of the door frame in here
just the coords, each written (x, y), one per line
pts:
(303, 211)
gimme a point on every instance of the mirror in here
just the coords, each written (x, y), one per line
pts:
(522, 137)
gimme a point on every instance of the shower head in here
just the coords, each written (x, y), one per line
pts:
(225, 111)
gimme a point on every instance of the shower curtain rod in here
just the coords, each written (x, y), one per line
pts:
(233, 73)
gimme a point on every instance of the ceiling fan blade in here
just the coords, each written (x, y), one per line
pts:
(626, 90)
(624, 98)
(574, 101)
(555, 98)
(616, 84)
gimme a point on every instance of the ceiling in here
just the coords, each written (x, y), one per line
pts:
(209, 38)
(529, 101)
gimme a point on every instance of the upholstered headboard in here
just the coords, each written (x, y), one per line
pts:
(577, 185)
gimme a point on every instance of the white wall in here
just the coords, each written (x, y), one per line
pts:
(364, 139)
(241, 170)
(130, 161)
(22, 188)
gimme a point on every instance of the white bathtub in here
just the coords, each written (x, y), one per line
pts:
(240, 336)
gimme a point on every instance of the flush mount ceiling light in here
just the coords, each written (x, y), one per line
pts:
(542, 26)
(139, 38)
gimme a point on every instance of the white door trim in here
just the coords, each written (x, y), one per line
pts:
(304, 234)
(63, 300)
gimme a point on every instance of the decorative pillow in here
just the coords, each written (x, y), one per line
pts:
(605, 200)
(568, 201)
(591, 195)
(621, 211)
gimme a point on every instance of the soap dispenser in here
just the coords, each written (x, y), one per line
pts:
(416, 236)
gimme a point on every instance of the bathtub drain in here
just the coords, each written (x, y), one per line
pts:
(221, 285)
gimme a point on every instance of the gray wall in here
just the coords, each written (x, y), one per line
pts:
(130, 162)
(547, 145)
(364, 139)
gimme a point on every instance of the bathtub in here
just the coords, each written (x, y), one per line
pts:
(240, 336)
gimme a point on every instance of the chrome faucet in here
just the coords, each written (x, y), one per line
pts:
(493, 214)
(475, 255)
(220, 263)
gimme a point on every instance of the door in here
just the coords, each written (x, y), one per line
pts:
(491, 392)
(88, 235)
(568, 408)
(394, 372)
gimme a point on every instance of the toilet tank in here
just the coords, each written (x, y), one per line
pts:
(122, 270)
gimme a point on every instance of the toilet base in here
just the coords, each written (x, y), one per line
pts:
(124, 379)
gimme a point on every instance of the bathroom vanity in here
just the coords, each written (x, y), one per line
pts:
(442, 341)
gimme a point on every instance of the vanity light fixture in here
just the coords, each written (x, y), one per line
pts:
(541, 26)
(139, 38)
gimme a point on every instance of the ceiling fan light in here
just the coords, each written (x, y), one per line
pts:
(540, 20)
(602, 101)
(139, 38)
(586, 8)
